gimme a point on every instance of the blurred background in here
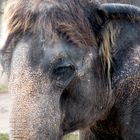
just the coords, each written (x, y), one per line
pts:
(3, 79)
(5, 100)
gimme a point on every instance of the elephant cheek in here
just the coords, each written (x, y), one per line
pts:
(36, 117)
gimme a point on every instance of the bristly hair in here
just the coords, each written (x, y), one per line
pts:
(65, 18)
(51, 16)
(109, 35)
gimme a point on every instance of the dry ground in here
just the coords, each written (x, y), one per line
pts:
(5, 106)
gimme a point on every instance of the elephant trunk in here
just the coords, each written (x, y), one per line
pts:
(36, 117)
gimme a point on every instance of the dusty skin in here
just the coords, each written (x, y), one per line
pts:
(72, 71)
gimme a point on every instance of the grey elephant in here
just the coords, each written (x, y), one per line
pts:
(73, 65)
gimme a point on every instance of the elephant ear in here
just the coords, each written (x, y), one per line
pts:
(119, 11)
(101, 14)
(105, 20)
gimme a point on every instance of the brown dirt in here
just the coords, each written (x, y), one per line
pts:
(5, 107)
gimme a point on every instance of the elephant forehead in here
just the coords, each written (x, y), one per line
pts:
(64, 51)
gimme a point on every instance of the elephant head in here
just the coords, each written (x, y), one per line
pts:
(58, 58)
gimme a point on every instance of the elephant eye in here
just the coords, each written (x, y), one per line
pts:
(63, 72)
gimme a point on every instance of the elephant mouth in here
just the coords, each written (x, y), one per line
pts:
(69, 125)
(68, 128)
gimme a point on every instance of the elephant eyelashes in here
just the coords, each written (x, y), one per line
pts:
(62, 69)
(63, 73)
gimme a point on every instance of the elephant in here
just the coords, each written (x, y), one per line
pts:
(73, 65)
(133, 2)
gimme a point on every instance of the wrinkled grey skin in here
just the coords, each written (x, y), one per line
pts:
(59, 87)
(59, 101)
(64, 104)
(134, 2)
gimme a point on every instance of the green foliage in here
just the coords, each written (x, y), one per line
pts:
(67, 137)
(71, 137)
(3, 88)
(4, 137)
